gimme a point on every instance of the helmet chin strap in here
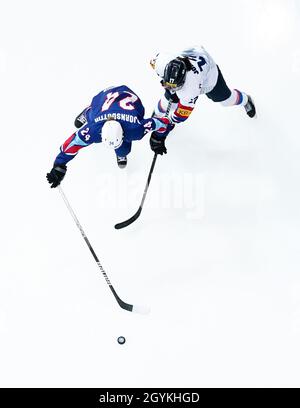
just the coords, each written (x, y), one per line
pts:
(171, 87)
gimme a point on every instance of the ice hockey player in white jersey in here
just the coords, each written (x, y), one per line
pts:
(186, 76)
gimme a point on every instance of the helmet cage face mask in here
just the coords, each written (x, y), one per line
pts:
(174, 75)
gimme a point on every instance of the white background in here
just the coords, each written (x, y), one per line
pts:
(224, 287)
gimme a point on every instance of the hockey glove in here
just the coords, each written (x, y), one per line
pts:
(157, 143)
(56, 175)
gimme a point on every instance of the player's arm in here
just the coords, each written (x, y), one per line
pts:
(70, 148)
(68, 151)
(158, 125)
(183, 110)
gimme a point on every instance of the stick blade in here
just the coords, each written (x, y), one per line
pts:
(144, 310)
(127, 306)
(139, 309)
(131, 220)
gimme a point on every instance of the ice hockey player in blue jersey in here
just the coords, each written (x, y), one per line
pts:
(114, 118)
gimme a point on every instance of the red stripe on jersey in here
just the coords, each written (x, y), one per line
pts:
(190, 108)
(73, 149)
(67, 143)
(70, 148)
(183, 111)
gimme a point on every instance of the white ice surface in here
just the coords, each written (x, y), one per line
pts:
(221, 275)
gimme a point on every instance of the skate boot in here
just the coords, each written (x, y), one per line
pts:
(250, 108)
(122, 162)
(81, 119)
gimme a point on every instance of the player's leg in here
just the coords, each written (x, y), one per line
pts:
(122, 153)
(227, 97)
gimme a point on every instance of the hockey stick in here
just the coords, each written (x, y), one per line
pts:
(138, 213)
(123, 305)
(125, 224)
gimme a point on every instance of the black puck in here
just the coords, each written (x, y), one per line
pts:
(121, 340)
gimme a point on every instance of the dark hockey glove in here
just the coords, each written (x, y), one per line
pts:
(56, 175)
(157, 144)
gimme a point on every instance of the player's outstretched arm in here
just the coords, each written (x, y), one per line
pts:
(158, 125)
(68, 151)
(158, 138)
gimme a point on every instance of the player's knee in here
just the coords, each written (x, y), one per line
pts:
(236, 98)
(230, 101)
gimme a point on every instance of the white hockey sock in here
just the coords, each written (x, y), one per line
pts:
(236, 98)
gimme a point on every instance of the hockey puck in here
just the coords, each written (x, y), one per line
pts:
(121, 340)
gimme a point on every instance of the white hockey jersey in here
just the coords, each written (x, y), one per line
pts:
(200, 80)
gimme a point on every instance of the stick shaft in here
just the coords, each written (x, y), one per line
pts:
(84, 235)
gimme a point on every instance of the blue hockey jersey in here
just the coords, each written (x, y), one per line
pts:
(119, 103)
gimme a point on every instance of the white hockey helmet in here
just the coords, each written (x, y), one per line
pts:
(112, 134)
